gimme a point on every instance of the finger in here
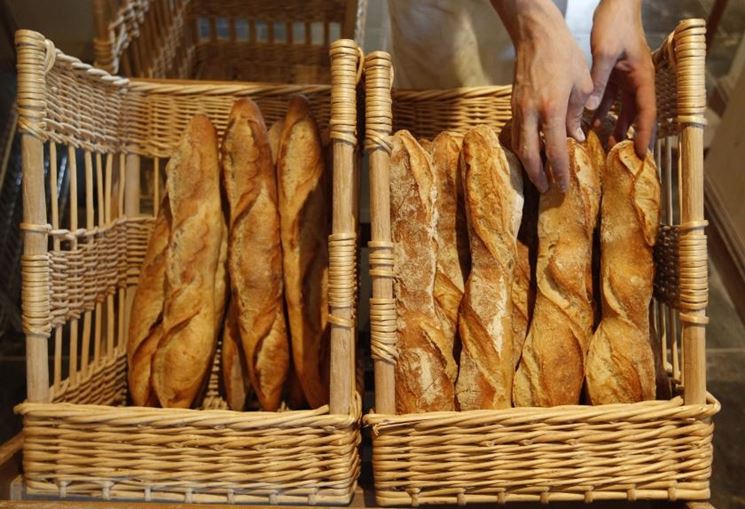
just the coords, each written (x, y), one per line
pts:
(554, 134)
(646, 116)
(528, 148)
(627, 114)
(605, 105)
(576, 108)
(602, 66)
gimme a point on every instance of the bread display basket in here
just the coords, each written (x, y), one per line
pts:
(649, 450)
(257, 40)
(83, 249)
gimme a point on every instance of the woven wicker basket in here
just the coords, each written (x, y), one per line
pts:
(648, 450)
(78, 283)
(249, 40)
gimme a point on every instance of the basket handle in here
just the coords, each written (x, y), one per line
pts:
(346, 59)
(378, 81)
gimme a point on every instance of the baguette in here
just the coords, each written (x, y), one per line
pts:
(145, 326)
(551, 370)
(190, 315)
(305, 220)
(426, 369)
(234, 370)
(451, 234)
(255, 259)
(620, 363)
(494, 203)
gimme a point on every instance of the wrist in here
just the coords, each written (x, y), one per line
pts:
(528, 19)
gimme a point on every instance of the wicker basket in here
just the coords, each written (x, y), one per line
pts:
(78, 284)
(249, 40)
(648, 450)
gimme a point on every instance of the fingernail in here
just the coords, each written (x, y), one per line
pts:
(579, 135)
(593, 102)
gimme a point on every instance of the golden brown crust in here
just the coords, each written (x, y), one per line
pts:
(426, 369)
(551, 369)
(520, 301)
(451, 235)
(190, 316)
(494, 202)
(146, 316)
(234, 370)
(305, 218)
(255, 257)
(620, 363)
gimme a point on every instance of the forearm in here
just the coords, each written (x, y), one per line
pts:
(526, 19)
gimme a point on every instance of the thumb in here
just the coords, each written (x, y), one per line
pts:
(601, 70)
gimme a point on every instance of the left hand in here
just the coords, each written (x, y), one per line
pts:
(622, 66)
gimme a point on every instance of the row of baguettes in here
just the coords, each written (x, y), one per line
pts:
(494, 286)
(255, 220)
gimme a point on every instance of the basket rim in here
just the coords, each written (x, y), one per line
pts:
(208, 417)
(639, 411)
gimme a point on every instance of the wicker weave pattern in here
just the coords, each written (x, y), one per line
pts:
(78, 284)
(647, 450)
(254, 40)
(661, 449)
(85, 108)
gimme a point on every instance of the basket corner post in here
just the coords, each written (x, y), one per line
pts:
(35, 55)
(690, 55)
(378, 129)
(342, 243)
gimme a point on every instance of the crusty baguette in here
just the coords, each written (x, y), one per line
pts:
(234, 370)
(451, 233)
(426, 368)
(190, 315)
(145, 325)
(494, 203)
(620, 364)
(255, 258)
(551, 369)
(305, 220)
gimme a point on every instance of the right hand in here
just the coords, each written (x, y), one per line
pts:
(552, 83)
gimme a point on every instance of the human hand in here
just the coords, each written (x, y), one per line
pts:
(551, 86)
(622, 68)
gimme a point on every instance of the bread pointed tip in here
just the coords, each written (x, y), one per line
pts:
(246, 108)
